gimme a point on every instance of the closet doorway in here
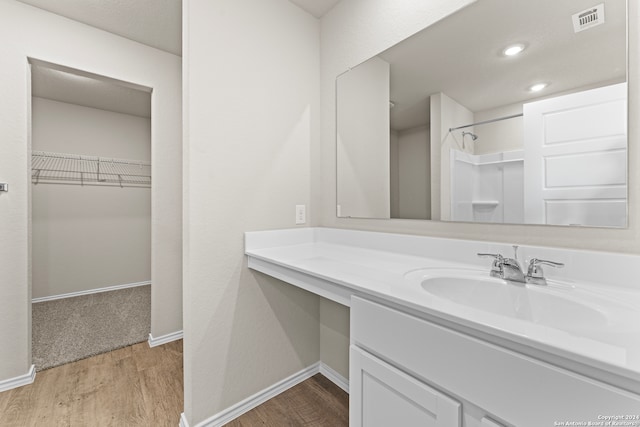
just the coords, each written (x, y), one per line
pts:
(90, 212)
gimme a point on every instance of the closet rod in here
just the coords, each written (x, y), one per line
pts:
(487, 121)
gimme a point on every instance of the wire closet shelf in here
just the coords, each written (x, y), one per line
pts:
(48, 167)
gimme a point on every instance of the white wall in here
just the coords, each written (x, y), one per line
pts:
(363, 141)
(251, 117)
(70, 128)
(446, 113)
(504, 135)
(28, 31)
(394, 173)
(334, 336)
(414, 173)
(88, 237)
(355, 30)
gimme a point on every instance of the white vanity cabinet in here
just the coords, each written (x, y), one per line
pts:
(389, 397)
(422, 358)
(407, 371)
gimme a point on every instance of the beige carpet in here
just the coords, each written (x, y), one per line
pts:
(71, 329)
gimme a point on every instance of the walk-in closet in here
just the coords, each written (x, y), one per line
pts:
(90, 212)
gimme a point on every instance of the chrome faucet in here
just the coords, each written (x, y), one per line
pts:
(535, 275)
(497, 268)
(506, 268)
(510, 269)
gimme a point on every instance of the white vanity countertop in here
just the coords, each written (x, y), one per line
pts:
(338, 263)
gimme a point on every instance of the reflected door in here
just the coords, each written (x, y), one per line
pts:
(575, 158)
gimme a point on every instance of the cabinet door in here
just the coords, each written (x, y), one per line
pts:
(382, 396)
(487, 422)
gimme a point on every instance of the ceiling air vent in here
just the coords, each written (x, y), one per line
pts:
(588, 18)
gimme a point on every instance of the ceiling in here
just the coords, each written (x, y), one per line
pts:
(461, 56)
(315, 7)
(156, 23)
(75, 87)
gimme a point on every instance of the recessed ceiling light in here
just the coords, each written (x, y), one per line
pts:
(538, 87)
(512, 50)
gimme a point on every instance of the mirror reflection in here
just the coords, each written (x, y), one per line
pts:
(508, 111)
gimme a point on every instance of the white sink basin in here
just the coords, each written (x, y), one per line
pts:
(557, 305)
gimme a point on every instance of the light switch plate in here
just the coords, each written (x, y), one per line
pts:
(301, 214)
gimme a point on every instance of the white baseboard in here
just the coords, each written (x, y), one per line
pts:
(90, 291)
(334, 376)
(183, 421)
(163, 339)
(19, 381)
(233, 412)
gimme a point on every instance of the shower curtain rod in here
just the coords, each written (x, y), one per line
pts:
(487, 121)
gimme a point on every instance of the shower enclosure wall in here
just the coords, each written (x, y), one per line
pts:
(487, 187)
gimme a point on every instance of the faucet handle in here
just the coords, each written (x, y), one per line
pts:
(498, 263)
(534, 272)
(497, 257)
(535, 263)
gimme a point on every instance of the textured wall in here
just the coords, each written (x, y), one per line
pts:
(48, 37)
(363, 141)
(334, 336)
(414, 161)
(251, 99)
(505, 135)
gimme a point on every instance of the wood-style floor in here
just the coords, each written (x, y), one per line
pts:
(142, 386)
(132, 386)
(315, 402)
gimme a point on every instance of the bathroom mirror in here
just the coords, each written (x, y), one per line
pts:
(507, 111)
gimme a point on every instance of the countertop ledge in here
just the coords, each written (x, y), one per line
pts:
(338, 263)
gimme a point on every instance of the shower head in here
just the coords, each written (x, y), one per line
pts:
(473, 135)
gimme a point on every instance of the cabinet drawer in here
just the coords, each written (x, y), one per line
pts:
(515, 388)
(388, 397)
